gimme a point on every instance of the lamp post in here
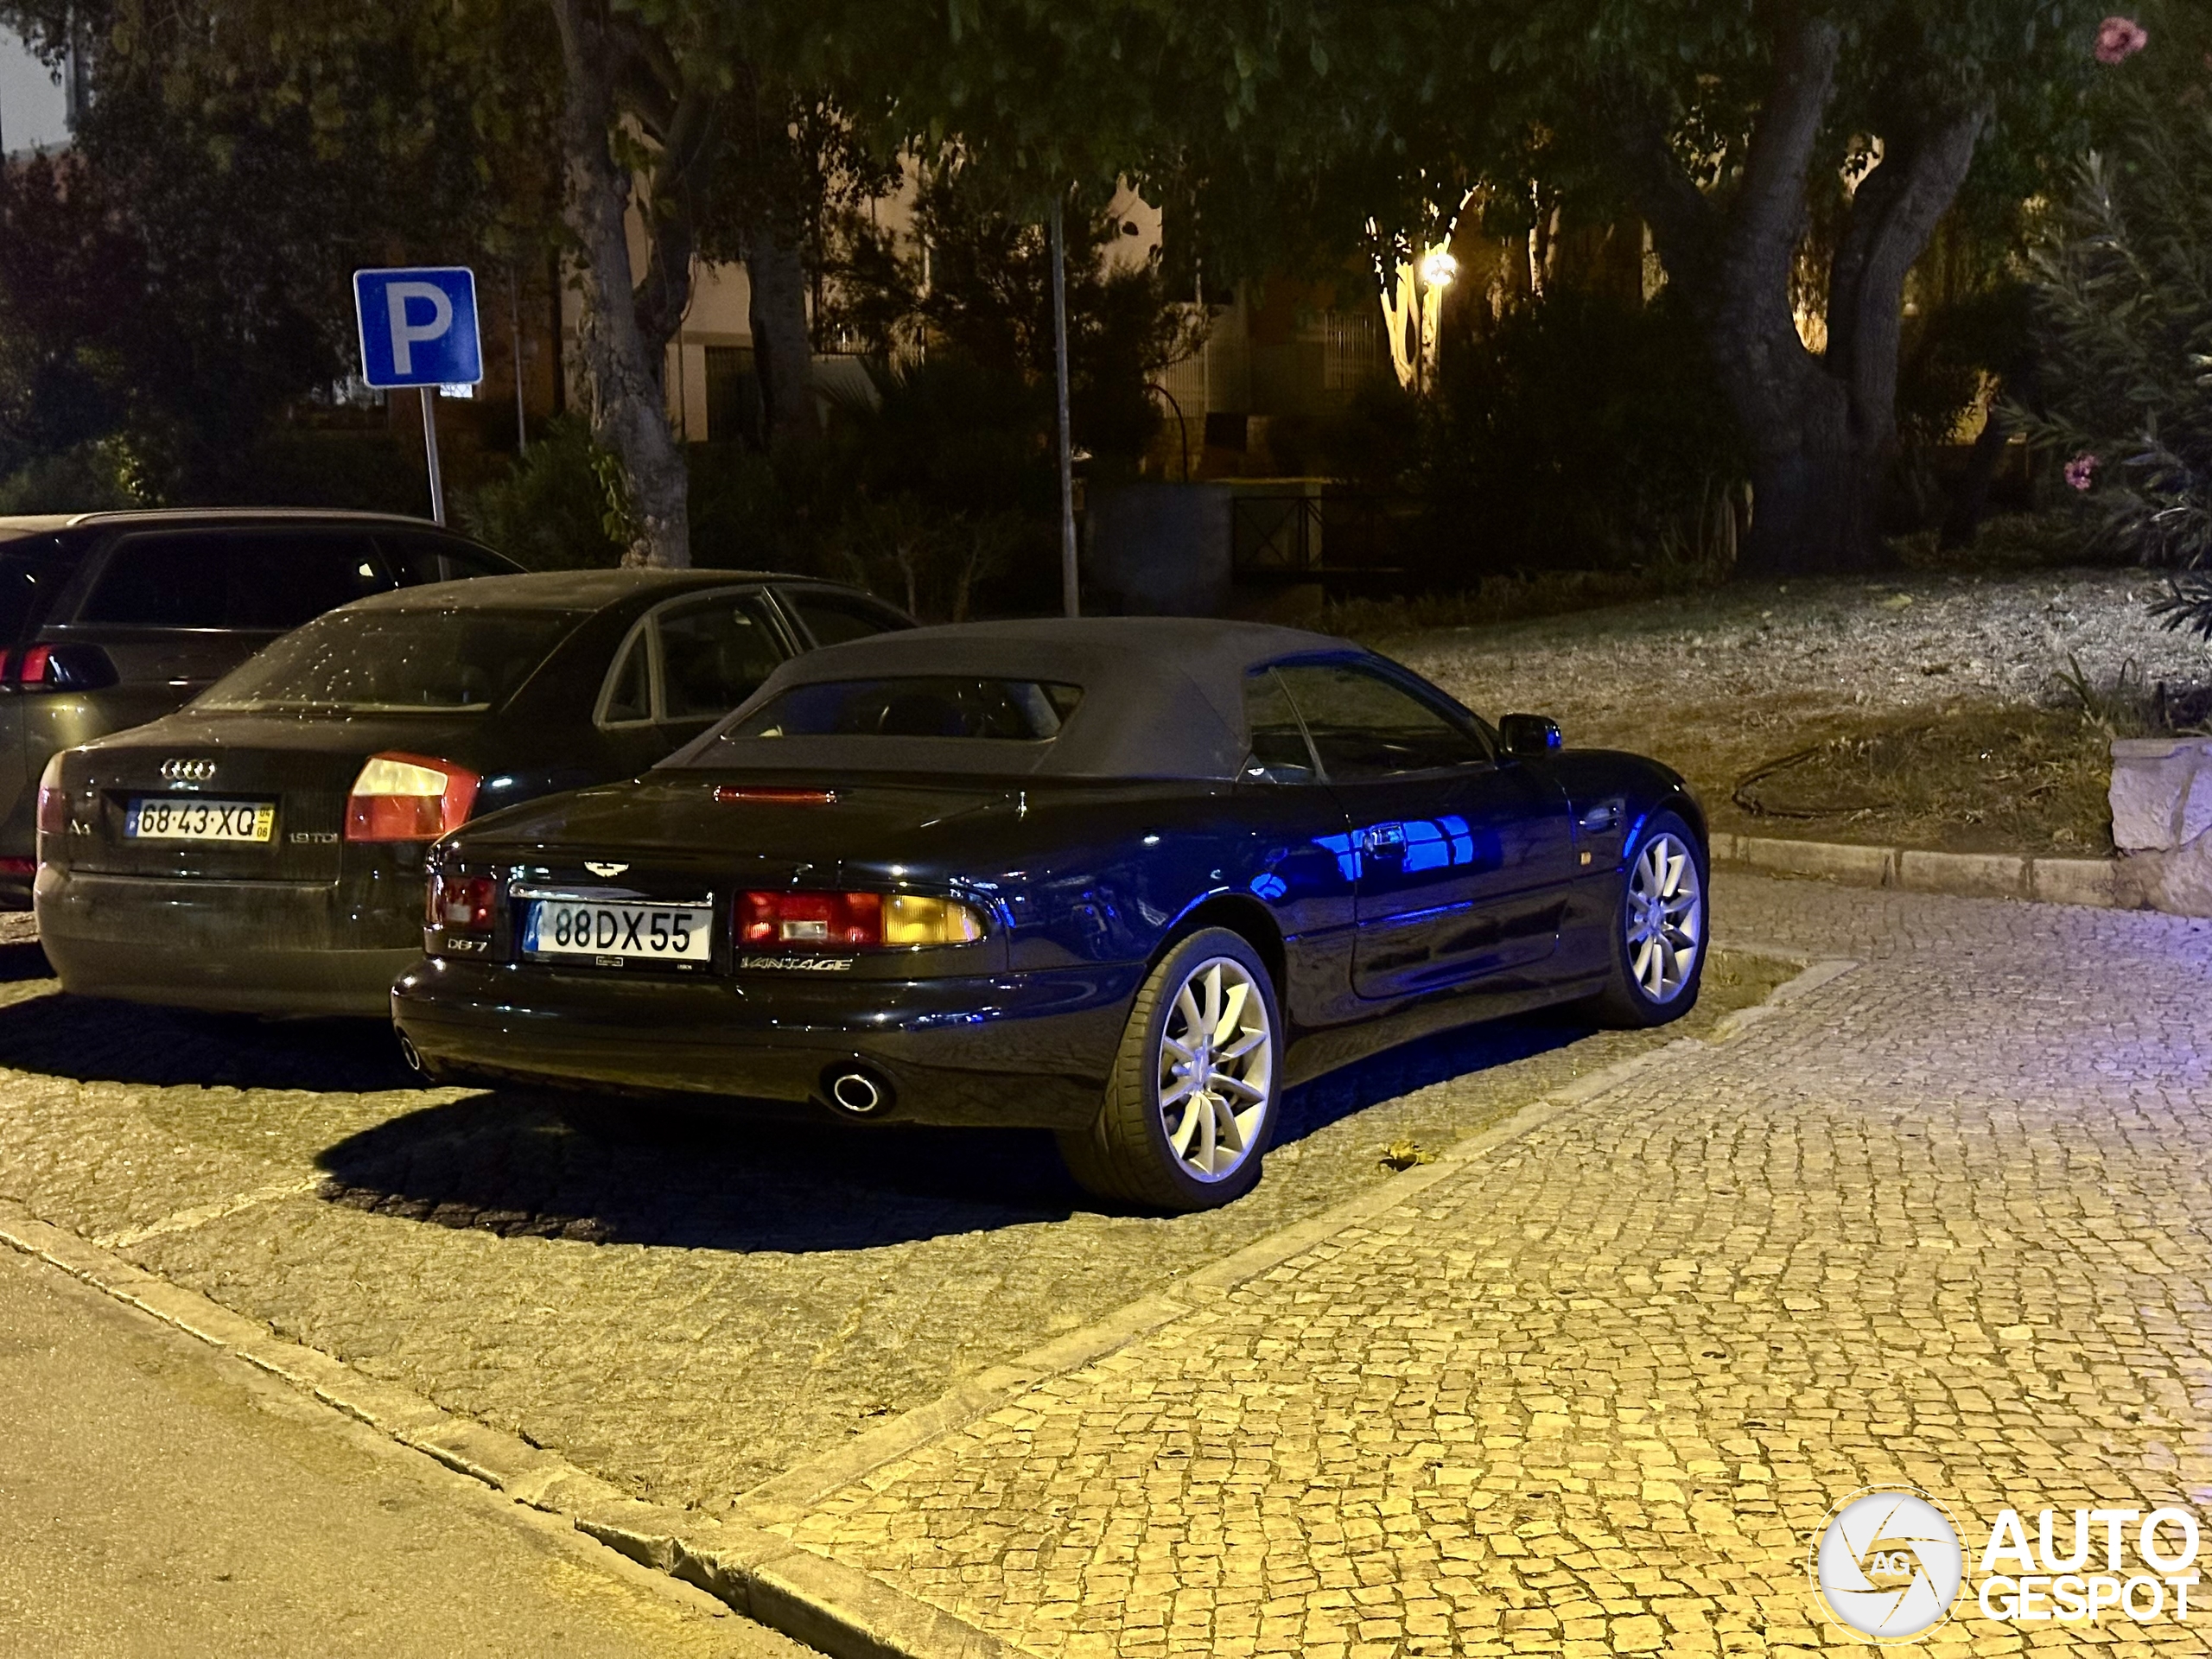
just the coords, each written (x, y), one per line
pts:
(1070, 598)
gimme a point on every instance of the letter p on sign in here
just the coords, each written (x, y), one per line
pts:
(418, 327)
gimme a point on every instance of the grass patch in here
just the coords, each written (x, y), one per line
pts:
(2030, 780)
(1518, 597)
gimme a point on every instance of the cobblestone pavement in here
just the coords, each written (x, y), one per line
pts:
(1942, 1222)
(681, 1311)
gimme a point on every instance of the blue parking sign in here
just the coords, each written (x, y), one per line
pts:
(418, 327)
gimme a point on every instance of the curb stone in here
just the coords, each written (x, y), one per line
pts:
(836, 1609)
(786, 1497)
(2100, 883)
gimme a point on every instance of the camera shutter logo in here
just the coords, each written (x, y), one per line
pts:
(1887, 1564)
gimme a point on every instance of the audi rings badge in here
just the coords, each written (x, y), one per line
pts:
(181, 771)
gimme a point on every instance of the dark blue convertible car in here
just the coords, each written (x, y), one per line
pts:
(1123, 879)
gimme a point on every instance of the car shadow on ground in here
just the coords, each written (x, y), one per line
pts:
(94, 1040)
(668, 1171)
(741, 1177)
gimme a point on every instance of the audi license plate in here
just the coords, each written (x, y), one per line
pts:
(616, 933)
(194, 817)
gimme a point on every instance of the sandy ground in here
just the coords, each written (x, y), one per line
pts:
(1716, 684)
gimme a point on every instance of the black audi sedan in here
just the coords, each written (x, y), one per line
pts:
(261, 849)
(1123, 879)
(109, 620)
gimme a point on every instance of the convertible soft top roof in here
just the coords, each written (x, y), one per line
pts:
(1162, 697)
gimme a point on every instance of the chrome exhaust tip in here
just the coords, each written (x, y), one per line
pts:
(859, 1094)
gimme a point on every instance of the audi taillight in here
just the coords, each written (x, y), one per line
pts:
(796, 920)
(409, 797)
(53, 799)
(463, 904)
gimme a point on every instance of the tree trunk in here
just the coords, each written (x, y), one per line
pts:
(783, 351)
(1821, 430)
(627, 407)
(1963, 522)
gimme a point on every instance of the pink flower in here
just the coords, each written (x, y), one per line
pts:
(2119, 38)
(2082, 471)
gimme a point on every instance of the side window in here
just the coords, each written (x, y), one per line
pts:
(832, 619)
(628, 699)
(161, 582)
(1278, 754)
(1364, 726)
(416, 559)
(713, 655)
(280, 580)
(261, 579)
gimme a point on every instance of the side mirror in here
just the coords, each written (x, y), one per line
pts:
(1528, 737)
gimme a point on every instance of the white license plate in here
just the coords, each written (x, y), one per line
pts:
(616, 933)
(179, 818)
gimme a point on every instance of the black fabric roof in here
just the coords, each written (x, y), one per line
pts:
(1162, 697)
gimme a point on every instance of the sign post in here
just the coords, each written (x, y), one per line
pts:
(418, 328)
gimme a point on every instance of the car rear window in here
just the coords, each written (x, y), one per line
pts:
(258, 580)
(1022, 711)
(380, 662)
(832, 619)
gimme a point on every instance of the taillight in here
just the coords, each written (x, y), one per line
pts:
(463, 904)
(409, 797)
(58, 668)
(841, 921)
(53, 799)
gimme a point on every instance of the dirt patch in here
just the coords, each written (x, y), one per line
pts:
(1936, 709)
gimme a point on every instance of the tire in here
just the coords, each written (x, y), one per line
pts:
(1130, 1152)
(1649, 987)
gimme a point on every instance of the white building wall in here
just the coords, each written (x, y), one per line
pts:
(33, 108)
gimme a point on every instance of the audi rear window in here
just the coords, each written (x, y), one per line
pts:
(379, 662)
(938, 706)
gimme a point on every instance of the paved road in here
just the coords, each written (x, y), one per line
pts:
(157, 1499)
(1946, 1221)
(682, 1312)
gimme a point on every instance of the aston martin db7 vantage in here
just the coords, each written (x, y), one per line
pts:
(1123, 879)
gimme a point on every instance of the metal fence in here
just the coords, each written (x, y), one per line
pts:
(1344, 540)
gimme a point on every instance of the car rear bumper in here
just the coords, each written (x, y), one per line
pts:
(1027, 1050)
(233, 947)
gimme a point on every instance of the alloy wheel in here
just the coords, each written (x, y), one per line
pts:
(1665, 918)
(1215, 1069)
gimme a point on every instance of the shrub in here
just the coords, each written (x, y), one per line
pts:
(550, 512)
(2123, 275)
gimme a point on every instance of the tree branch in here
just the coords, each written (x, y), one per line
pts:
(1893, 212)
(1684, 224)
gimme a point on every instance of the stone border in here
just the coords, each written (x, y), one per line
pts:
(836, 1609)
(2103, 883)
